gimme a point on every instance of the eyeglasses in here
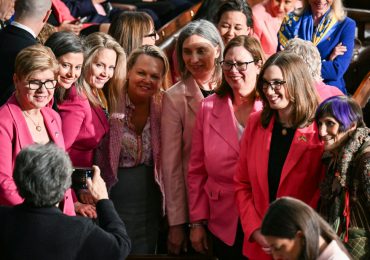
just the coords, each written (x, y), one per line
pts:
(153, 35)
(240, 66)
(274, 85)
(37, 84)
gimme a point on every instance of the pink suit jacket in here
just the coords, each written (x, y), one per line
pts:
(266, 28)
(301, 174)
(180, 105)
(14, 136)
(213, 161)
(84, 126)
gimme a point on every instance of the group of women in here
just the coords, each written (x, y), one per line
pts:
(235, 126)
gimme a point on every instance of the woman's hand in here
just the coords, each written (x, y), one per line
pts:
(338, 50)
(260, 239)
(176, 240)
(69, 26)
(198, 238)
(86, 197)
(85, 210)
(96, 185)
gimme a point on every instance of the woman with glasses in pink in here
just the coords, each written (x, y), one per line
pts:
(219, 126)
(26, 119)
(280, 152)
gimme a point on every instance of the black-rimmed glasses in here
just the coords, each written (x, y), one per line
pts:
(240, 66)
(37, 84)
(274, 85)
(153, 35)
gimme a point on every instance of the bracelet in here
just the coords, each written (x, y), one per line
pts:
(196, 225)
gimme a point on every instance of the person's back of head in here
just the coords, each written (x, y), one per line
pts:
(42, 174)
(32, 13)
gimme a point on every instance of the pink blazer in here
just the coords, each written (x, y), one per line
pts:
(213, 161)
(300, 177)
(84, 126)
(108, 154)
(327, 91)
(180, 105)
(266, 28)
(14, 136)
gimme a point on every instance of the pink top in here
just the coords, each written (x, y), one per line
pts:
(135, 149)
(333, 252)
(14, 136)
(327, 91)
(266, 28)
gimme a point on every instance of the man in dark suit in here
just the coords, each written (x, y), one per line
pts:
(37, 229)
(30, 17)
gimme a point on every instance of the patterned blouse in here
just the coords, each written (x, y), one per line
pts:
(135, 148)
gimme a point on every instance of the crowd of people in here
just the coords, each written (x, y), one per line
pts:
(256, 152)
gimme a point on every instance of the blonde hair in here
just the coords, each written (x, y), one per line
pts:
(129, 29)
(337, 9)
(299, 87)
(109, 95)
(35, 58)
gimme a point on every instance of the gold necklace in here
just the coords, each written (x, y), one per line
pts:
(37, 124)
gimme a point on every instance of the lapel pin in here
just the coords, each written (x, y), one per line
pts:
(302, 138)
(56, 134)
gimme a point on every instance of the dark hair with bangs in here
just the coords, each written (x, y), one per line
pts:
(344, 109)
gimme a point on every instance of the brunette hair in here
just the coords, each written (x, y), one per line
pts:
(235, 6)
(253, 46)
(299, 89)
(286, 216)
(109, 95)
(344, 109)
(129, 29)
(62, 43)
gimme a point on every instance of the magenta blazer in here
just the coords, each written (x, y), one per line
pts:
(84, 126)
(212, 165)
(14, 136)
(300, 177)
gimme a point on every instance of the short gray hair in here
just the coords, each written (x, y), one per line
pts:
(209, 32)
(309, 53)
(34, 9)
(42, 174)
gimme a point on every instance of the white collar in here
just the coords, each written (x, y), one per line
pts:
(24, 27)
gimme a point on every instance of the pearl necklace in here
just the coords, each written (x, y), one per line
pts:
(37, 124)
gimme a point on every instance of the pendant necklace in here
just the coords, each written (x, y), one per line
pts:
(37, 125)
(284, 131)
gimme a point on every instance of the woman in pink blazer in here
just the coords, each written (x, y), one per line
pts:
(26, 120)
(280, 152)
(215, 150)
(267, 19)
(199, 52)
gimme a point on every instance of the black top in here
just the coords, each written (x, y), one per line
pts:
(280, 144)
(46, 233)
(206, 93)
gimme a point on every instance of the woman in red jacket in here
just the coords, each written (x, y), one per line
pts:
(280, 152)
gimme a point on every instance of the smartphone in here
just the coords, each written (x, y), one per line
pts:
(79, 176)
(79, 20)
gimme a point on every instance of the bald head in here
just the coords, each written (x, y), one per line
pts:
(31, 9)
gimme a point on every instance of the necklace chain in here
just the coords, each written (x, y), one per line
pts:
(36, 124)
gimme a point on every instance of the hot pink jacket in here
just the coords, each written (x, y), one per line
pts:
(14, 136)
(213, 161)
(300, 177)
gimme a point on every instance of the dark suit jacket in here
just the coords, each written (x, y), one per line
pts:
(12, 41)
(46, 233)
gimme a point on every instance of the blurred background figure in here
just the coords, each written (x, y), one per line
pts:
(138, 25)
(326, 25)
(26, 119)
(199, 51)
(220, 124)
(311, 56)
(30, 17)
(234, 18)
(293, 230)
(130, 155)
(280, 149)
(345, 191)
(267, 18)
(37, 227)
(6, 11)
